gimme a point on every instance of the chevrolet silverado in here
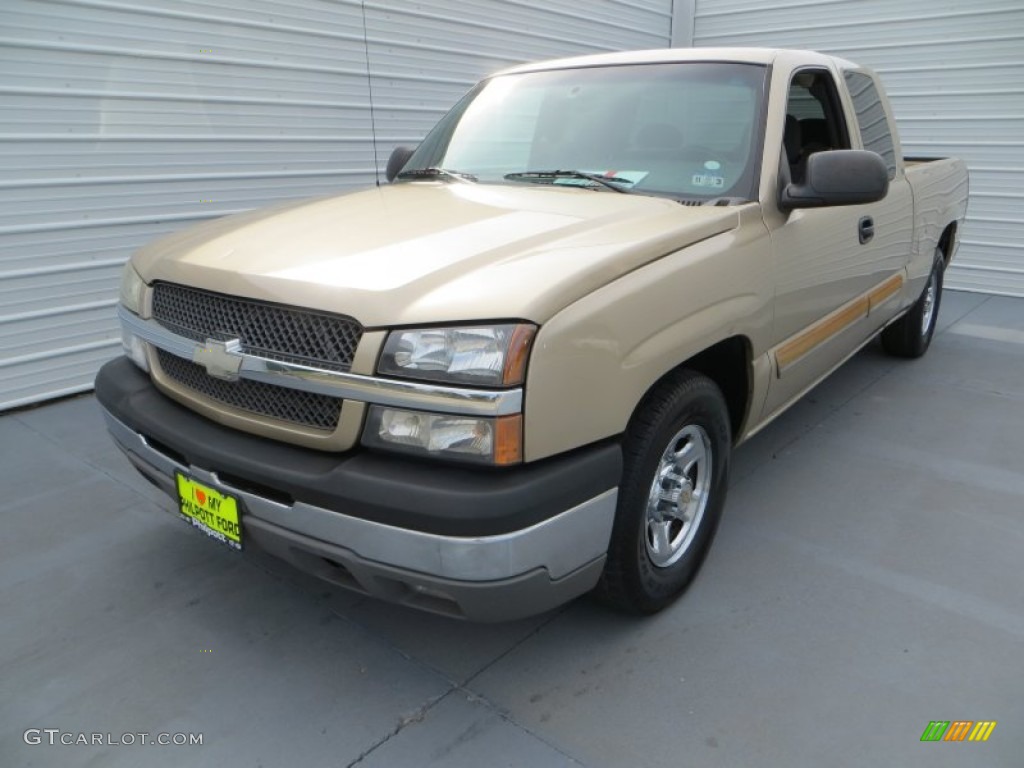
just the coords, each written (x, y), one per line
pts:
(515, 373)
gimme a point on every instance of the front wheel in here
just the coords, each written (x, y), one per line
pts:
(911, 335)
(676, 467)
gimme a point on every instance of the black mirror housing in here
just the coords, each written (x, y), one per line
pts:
(399, 157)
(838, 177)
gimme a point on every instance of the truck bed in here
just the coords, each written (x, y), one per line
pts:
(940, 188)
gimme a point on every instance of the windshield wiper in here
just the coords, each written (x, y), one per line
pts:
(605, 181)
(435, 173)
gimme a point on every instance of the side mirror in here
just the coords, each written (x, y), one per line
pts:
(399, 157)
(838, 177)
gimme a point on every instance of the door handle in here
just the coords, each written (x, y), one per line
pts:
(866, 229)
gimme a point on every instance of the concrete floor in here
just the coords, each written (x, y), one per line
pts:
(867, 579)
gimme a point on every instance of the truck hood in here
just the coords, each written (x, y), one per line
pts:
(428, 252)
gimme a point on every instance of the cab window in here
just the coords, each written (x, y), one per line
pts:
(814, 119)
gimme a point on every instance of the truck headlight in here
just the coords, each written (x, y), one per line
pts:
(134, 348)
(132, 289)
(466, 438)
(488, 356)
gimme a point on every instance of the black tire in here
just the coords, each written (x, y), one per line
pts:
(672, 421)
(910, 336)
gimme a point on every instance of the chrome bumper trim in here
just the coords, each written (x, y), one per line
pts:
(560, 545)
(348, 386)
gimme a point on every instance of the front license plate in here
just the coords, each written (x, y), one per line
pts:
(212, 512)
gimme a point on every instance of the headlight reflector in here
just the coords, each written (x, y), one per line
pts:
(490, 356)
(467, 438)
(132, 288)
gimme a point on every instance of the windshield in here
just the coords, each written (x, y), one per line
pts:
(685, 130)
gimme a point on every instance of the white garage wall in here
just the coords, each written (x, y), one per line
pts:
(425, 56)
(955, 74)
(121, 121)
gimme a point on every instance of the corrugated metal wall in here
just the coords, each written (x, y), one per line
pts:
(122, 121)
(955, 74)
(425, 56)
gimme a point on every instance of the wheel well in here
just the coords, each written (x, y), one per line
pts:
(946, 243)
(727, 363)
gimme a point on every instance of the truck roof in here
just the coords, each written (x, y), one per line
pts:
(671, 55)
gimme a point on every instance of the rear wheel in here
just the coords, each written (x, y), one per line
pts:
(676, 453)
(911, 335)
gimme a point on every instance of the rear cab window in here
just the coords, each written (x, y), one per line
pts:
(871, 118)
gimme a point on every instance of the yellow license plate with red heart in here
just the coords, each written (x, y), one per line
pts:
(209, 510)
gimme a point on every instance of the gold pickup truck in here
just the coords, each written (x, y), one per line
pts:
(515, 373)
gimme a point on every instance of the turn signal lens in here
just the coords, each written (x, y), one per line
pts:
(517, 355)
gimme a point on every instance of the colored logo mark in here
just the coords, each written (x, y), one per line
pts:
(958, 730)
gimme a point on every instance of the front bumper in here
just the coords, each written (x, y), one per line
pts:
(481, 544)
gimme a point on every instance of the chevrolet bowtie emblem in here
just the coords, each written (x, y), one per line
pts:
(221, 359)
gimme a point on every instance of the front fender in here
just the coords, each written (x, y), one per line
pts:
(593, 362)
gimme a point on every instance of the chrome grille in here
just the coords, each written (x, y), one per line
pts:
(288, 334)
(292, 405)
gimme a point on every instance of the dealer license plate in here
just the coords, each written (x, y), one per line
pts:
(212, 512)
